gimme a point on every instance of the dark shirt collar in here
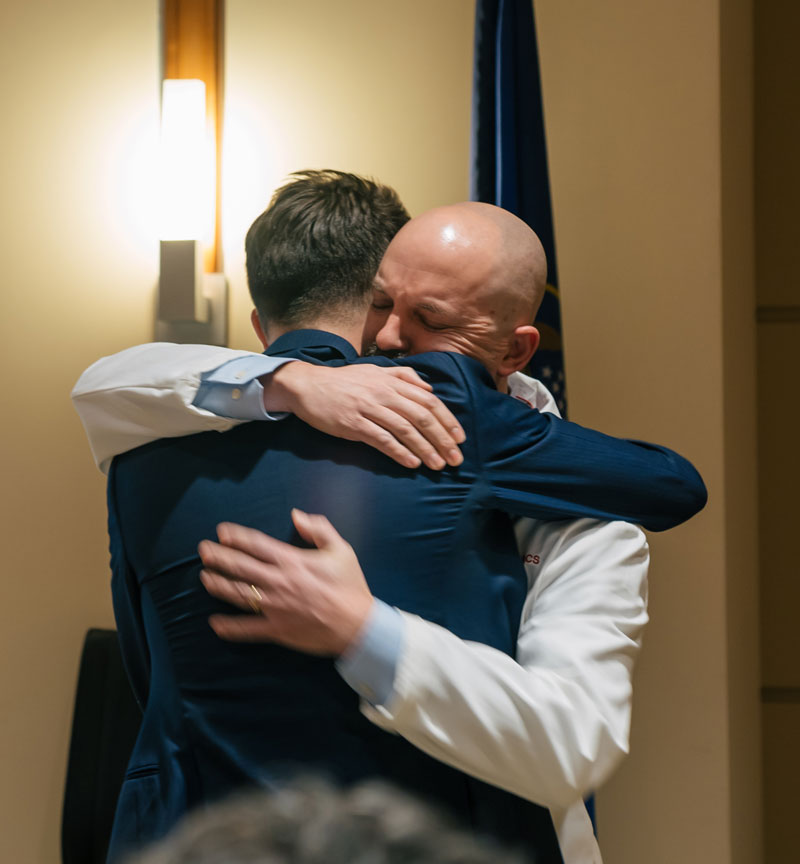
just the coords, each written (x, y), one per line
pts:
(313, 345)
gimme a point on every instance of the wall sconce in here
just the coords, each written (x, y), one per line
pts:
(192, 305)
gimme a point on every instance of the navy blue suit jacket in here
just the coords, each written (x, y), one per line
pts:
(220, 715)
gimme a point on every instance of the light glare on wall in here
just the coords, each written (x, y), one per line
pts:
(187, 171)
(192, 305)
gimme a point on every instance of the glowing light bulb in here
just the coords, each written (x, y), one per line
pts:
(187, 168)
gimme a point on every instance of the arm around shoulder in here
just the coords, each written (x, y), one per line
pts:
(146, 392)
(543, 467)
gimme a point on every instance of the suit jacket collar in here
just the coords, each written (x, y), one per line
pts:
(316, 346)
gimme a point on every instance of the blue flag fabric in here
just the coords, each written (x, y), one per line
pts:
(509, 153)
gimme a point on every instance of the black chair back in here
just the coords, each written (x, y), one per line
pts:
(105, 723)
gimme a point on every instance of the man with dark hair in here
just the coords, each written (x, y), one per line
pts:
(435, 545)
(294, 272)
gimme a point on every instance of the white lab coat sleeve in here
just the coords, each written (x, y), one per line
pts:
(144, 393)
(551, 724)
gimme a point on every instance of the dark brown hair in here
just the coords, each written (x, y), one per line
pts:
(317, 247)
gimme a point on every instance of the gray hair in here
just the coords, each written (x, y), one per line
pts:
(312, 822)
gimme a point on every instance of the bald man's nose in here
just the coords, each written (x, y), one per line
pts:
(390, 336)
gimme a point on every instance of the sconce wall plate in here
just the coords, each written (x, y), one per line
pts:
(181, 271)
(211, 331)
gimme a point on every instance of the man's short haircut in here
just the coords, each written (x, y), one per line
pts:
(316, 248)
(312, 822)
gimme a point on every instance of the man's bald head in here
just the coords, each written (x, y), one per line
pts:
(500, 251)
(468, 278)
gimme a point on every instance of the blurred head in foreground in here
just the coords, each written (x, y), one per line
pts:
(311, 822)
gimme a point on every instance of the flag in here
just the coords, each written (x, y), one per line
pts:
(509, 154)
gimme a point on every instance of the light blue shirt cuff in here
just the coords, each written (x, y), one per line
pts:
(369, 665)
(233, 389)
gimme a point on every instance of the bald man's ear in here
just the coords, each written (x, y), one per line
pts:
(521, 347)
(256, 322)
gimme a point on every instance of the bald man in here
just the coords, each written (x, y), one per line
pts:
(415, 308)
(467, 278)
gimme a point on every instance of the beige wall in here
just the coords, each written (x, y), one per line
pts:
(644, 154)
(652, 189)
(77, 89)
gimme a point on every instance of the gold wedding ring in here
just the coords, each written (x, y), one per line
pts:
(254, 601)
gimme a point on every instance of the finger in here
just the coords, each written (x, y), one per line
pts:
(369, 432)
(448, 420)
(425, 407)
(409, 385)
(240, 594)
(317, 529)
(434, 406)
(406, 373)
(428, 415)
(241, 628)
(253, 542)
(238, 565)
(402, 429)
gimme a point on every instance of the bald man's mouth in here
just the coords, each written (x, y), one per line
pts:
(373, 351)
